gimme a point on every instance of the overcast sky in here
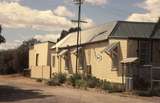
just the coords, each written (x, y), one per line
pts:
(45, 19)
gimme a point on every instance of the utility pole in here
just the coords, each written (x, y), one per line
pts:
(79, 3)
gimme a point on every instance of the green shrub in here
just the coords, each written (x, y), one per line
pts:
(92, 82)
(110, 87)
(38, 80)
(73, 78)
(57, 79)
(115, 87)
(80, 83)
(105, 85)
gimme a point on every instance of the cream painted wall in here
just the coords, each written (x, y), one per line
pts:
(101, 68)
(44, 60)
(42, 50)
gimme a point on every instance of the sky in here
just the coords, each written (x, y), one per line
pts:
(45, 19)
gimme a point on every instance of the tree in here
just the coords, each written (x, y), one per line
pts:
(64, 33)
(15, 60)
(22, 54)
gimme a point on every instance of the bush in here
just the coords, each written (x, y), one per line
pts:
(115, 87)
(72, 79)
(92, 82)
(105, 85)
(57, 80)
(39, 80)
(111, 87)
(80, 83)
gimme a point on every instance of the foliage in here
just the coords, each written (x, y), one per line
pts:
(64, 33)
(80, 83)
(72, 79)
(92, 82)
(16, 60)
(84, 82)
(105, 85)
(57, 79)
(39, 80)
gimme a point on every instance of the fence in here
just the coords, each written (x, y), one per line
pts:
(40, 72)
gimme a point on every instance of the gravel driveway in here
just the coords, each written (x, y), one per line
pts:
(17, 89)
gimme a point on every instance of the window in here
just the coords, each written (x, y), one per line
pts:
(113, 51)
(115, 59)
(53, 61)
(37, 59)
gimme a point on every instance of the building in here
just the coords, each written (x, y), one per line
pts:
(39, 60)
(116, 51)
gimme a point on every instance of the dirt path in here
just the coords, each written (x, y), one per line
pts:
(16, 89)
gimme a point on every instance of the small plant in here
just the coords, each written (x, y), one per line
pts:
(105, 85)
(57, 79)
(92, 82)
(39, 80)
(80, 83)
(73, 78)
(115, 87)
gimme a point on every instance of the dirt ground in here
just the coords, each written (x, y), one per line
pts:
(17, 89)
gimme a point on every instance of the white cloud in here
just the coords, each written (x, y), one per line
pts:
(47, 37)
(9, 0)
(14, 15)
(152, 8)
(17, 16)
(97, 2)
(63, 11)
(89, 23)
(10, 45)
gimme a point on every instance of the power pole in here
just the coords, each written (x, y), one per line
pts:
(79, 3)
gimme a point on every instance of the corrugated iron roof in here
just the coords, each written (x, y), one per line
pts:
(125, 29)
(118, 29)
(91, 35)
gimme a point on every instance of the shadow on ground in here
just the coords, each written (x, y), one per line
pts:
(9, 93)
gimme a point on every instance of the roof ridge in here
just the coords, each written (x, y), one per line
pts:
(136, 22)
